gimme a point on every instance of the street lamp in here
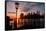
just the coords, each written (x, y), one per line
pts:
(16, 7)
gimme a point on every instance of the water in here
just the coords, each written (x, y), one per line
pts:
(32, 22)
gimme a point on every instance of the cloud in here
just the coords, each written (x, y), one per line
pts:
(26, 7)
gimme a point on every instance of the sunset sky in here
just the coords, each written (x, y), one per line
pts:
(25, 7)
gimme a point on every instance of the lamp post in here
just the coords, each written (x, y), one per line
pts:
(16, 7)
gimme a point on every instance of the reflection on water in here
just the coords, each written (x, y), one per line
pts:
(33, 22)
